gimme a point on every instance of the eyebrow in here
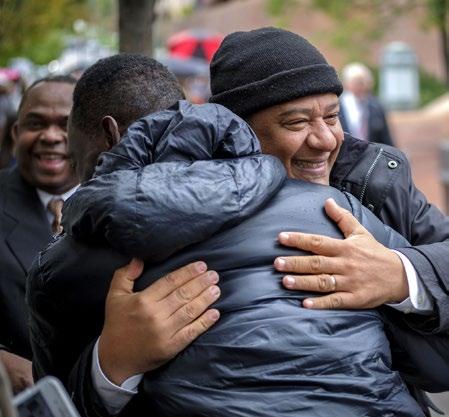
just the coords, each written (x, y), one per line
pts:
(38, 115)
(33, 114)
(307, 111)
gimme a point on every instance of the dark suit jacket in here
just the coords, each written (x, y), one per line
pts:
(378, 130)
(24, 230)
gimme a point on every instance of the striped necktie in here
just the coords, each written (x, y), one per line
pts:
(54, 206)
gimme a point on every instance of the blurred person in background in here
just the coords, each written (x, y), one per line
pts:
(7, 109)
(31, 199)
(361, 114)
(12, 86)
(19, 86)
(7, 143)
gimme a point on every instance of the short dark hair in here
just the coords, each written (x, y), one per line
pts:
(124, 86)
(67, 79)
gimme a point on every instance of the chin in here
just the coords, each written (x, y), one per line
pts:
(56, 185)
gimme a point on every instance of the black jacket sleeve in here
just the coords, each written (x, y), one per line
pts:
(81, 388)
(423, 361)
(379, 176)
(428, 231)
(86, 398)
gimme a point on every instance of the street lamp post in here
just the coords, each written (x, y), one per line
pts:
(399, 77)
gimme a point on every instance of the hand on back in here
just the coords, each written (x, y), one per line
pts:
(143, 330)
(355, 273)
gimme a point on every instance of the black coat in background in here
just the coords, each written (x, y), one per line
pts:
(24, 231)
(378, 130)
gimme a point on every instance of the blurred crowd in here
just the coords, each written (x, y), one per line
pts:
(187, 56)
(12, 86)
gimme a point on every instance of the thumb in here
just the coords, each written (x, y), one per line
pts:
(346, 222)
(123, 278)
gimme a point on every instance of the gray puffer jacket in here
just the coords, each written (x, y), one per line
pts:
(188, 184)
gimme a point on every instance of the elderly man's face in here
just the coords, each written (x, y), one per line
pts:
(359, 85)
(305, 134)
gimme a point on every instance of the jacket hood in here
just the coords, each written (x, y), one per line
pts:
(197, 166)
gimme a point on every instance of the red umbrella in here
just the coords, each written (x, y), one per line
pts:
(195, 43)
(9, 74)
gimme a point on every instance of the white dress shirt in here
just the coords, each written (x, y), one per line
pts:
(354, 115)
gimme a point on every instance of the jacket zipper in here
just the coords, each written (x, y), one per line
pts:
(368, 174)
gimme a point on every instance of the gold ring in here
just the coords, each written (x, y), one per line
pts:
(334, 282)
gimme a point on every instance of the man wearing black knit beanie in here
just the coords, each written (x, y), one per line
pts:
(288, 93)
(261, 68)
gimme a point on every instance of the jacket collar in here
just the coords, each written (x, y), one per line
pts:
(350, 152)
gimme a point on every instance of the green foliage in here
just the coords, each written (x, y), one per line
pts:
(279, 10)
(33, 28)
(49, 48)
(360, 22)
(337, 9)
(437, 12)
(430, 87)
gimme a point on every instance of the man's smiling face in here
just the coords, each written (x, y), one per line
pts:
(305, 134)
(40, 137)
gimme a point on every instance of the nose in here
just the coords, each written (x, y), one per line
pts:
(321, 137)
(53, 134)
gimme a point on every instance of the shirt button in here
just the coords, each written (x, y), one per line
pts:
(420, 300)
(407, 311)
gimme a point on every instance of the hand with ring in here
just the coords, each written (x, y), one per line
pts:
(355, 273)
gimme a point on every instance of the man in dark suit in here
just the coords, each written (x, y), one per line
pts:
(30, 201)
(361, 114)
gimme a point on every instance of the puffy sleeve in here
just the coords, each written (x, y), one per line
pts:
(175, 179)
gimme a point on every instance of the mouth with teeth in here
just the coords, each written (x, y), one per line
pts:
(50, 162)
(309, 170)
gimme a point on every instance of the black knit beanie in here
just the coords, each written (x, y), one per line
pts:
(258, 69)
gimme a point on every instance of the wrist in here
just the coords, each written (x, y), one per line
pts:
(401, 289)
(401, 294)
(112, 362)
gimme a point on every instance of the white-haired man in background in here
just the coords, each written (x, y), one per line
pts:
(361, 114)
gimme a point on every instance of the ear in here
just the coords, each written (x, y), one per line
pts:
(111, 131)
